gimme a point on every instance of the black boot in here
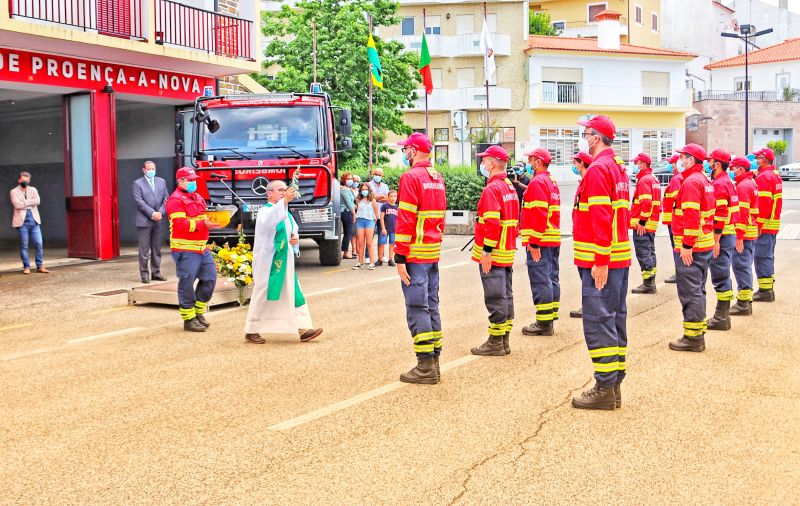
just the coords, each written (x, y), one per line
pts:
(193, 325)
(493, 347)
(538, 328)
(764, 295)
(721, 319)
(202, 319)
(697, 344)
(436, 365)
(618, 395)
(423, 374)
(596, 398)
(576, 313)
(742, 308)
(506, 345)
(648, 286)
(672, 279)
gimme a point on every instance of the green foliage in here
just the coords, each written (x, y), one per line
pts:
(342, 64)
(779, 147)
(464, 186)
(540, 24)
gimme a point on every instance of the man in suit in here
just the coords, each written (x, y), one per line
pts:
(150, 193)
(26, 220)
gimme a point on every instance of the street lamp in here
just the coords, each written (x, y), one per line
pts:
(745, 33)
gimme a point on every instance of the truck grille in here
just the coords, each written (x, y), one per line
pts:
(218, 194)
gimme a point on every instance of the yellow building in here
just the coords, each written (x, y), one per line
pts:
(640, 23)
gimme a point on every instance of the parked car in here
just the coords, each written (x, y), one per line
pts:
(790, 171)
(661, 170)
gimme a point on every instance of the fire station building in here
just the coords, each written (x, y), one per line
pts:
(90, 89)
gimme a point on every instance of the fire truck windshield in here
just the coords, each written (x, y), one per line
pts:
(266, 132)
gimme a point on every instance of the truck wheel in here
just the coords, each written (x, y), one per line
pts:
(330, 252)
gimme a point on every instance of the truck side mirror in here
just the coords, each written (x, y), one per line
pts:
(345, 122)
(345, 144)
(179, 148)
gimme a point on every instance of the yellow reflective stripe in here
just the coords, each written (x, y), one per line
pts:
(431, 214)
(645, 196)
(721, 202)
(691, 231)
(690, 205)
(488, 215)
(765, 194)
(509, 223)
(405, 206)
(402, 238)
(534, 204)
(192, 224)
(179, 214)
(490, 242)
(604, 352)
(609, 367)
(601, 200)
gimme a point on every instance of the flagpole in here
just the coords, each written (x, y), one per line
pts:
(426, 92)
(485, 21)
(314, 26)
(370, 103)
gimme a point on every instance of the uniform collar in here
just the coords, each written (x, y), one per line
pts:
(643, 173)
(694, 169)
(766, 168)
(724, 173)
(748, 174)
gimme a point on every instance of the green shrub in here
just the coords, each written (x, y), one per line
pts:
(464, 186)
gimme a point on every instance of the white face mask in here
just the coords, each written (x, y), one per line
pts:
(583, 145)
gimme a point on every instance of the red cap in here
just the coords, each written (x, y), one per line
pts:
(186, 172)
(766, 153)
(740, 161)
(720, 155)
(495, 152)
(673, 159)
(642, 157)
(694, 150)
(418, 141)
(602, 124)
(586, 158)
(542, 154)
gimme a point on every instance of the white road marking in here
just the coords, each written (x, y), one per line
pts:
(358, 399)
(121, 332)
(24, 354)
(17, 326)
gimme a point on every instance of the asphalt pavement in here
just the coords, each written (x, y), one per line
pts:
(104, 403)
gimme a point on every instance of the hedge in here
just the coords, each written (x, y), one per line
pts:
(464, 186)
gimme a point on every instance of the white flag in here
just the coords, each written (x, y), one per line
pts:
(487, 48)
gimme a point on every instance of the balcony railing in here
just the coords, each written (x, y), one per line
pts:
(585, 28)
(212, 32)
(792, 95)
(549, 94)
(471, 99)
(119, 18)
(561, 93)
(467, 44)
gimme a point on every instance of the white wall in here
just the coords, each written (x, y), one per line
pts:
(762, 76)
(785, 23)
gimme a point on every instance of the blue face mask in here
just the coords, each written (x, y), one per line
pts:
(150, 174)
(519, 170)
(364, 193)
(349, 182)
(484, 171)
(707, 167)
(191, 186)
(679, 165)
(753, 162)
(576, 171)
(732, 175)
(377, 179)
(529, 168)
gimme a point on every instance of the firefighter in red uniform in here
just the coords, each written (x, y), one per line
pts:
(603, 257)
(770, 202)
(495, 245)
(725, 215)
(580, 164)
(645, 213)
(418, 240)
(694, 240)
(541, 238)
(188, 236)
(668, 207)
(746, 234)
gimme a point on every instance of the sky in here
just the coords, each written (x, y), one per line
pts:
(794, 5)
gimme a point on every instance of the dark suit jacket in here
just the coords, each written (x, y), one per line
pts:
(147, 202)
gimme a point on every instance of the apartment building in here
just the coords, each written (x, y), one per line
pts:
(90, 89)
(640, 21)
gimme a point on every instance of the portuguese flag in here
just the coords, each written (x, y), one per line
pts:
(425, 66)
(374, 63)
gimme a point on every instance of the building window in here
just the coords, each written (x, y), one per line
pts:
(561, 93)
(441, 154)
(655, 89)
(420, 131)
(407, 26)
(638, 14)
(504, 136)
(559, 25)
(622, 143)
(738, 84)
(441, 134)
(660, 144)
(465, 23)
(654, 26)
(562, 143)
(594, 9)
(693, 123)
(433, 25)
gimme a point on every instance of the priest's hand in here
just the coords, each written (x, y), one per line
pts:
(294, 240)
(289, 195)
(404, 277)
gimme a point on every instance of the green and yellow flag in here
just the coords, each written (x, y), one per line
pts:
(374, 63)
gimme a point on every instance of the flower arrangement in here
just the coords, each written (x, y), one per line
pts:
(235, 263)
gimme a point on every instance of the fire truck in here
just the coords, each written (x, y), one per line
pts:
(239, 143)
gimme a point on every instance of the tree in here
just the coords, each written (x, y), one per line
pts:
(539, 24)
(342, 65)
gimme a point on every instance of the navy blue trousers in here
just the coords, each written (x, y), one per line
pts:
(545, 286)
(691, 283)
(422, 308)
(498, 296)
(743, 271)
(604, 324)
(675, 256)
(721, 268)
(765, 260)
(191, 267)
(645, 246)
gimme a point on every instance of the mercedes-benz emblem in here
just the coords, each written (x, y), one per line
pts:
(260, 185)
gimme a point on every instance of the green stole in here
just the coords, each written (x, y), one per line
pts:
(277, 273)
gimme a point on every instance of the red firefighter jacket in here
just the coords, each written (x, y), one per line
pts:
(601, 220)
(541, 212)
(747, 224)
(420, 217)
(646, 205)
(187, 226)
(727, 204)
(668, 205)
(693, 221)
(770, 200)
(498, 222)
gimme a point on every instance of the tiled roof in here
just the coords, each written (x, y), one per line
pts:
(787, 50)
(544, 42)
